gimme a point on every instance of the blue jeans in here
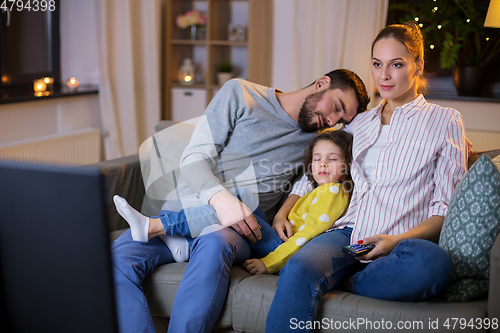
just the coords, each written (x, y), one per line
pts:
(416, 269)
(202, 292)
(132, 262)
(203, 289)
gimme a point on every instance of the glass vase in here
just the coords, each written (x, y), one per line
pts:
(193, 32)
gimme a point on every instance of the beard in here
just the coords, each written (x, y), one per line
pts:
(307, 112)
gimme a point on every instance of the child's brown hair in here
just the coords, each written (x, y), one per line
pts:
(341, 139)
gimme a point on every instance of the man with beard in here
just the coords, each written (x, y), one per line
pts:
(250, 137)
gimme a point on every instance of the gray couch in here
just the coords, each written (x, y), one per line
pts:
(249, 297)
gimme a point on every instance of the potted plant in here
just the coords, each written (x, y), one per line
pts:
(455, 30)
(224, 72)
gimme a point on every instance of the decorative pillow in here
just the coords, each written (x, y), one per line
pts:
(470, 229)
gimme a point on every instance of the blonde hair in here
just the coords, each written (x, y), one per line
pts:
(409, 35)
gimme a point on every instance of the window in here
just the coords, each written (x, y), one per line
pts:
(441, 81)
(29, 45)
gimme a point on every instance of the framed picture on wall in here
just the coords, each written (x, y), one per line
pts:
(237, 33)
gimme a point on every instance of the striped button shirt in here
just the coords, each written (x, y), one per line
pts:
(417, 168)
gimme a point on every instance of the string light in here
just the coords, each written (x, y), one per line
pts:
(439, 26)
(434, 9)
(421, 25)
(416, 18)
(487, 39)
(468, 20)
(431, 47)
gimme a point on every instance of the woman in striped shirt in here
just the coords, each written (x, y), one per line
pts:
(408, 156)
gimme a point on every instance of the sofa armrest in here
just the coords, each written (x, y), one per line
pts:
(494, 292)
(122, 176)
(477, 155)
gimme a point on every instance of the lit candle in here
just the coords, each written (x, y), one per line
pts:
(39, 86)
(49, 81)
(72, 84)
(186, 72)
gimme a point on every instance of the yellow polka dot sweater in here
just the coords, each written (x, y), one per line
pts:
(313, 214)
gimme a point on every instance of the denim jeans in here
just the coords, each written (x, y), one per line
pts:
(203, 290)
(132, 262)
(177, 223)
(414, 270)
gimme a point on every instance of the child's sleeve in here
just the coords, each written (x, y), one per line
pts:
(326, 207)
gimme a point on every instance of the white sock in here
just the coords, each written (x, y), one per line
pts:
(139, 224)
(178, 245)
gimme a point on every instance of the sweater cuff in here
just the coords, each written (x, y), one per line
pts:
(272, 267)
(206, 195)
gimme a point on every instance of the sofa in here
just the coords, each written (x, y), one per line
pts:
(249, 297)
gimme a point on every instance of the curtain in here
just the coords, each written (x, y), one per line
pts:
(129, 52)
(313, 37)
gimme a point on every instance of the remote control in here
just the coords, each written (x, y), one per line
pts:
(357, 250)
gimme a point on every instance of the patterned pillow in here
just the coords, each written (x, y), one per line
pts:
(470, 229)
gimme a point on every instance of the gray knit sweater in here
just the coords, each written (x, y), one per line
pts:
(246, 138)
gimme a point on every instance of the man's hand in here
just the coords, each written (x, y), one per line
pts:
(235, 214)
(255, 266)
(283, 228)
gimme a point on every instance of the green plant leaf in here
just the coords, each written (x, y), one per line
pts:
(224, 67)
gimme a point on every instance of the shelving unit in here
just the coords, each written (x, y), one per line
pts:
(251, 58)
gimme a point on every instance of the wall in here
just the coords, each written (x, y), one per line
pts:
(481, 121)
(28, 120)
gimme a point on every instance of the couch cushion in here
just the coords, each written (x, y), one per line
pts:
(161, 286)
(469, 230)
(254, 296)
(252, 301)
